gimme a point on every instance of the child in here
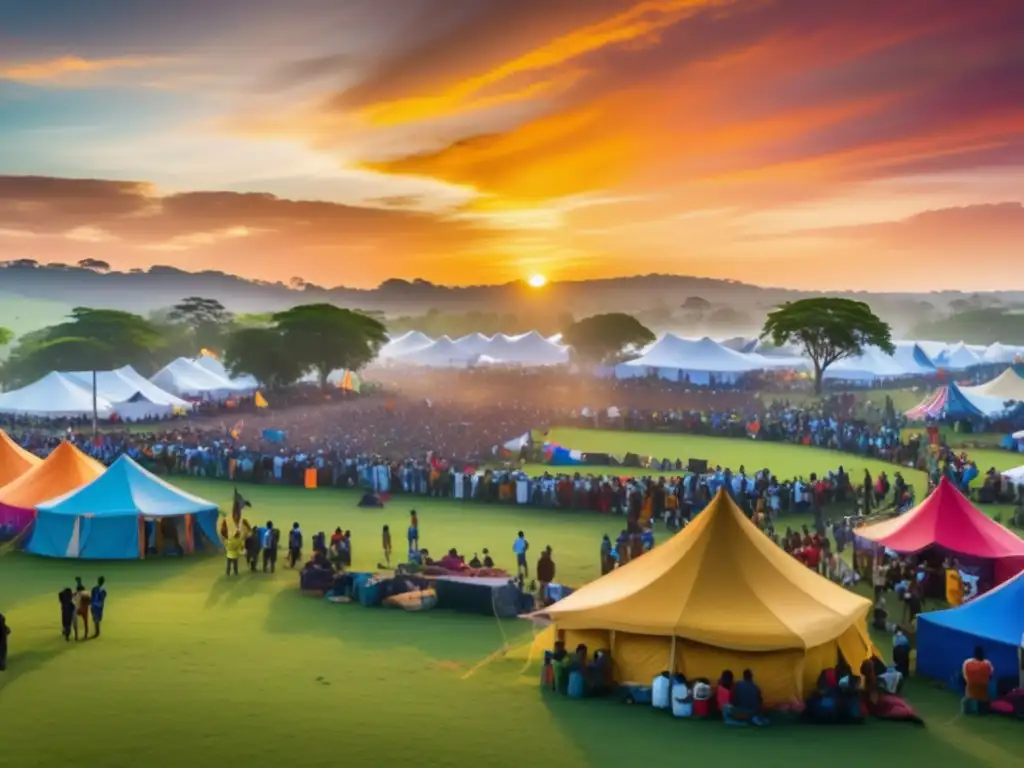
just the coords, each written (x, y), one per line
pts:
(97, 601)
(294, 545)
(414, 530)
(385, 542)
(81, 600)
(488, 562)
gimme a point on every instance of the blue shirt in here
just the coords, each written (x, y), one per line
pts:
(746, 696)
(99, 597)
(519, 546)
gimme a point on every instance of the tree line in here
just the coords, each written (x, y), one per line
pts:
(280, 348)
(277, 349)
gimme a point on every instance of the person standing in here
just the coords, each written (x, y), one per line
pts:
(520, 547)
(545, 574)
(67, 613)
(233, 546)
(99, 599)
(271, 540)
(4, 632)
(414, 531)
(294, 545)
(385, 542)
(81, 601)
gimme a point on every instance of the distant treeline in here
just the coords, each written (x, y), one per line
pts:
(976, 326)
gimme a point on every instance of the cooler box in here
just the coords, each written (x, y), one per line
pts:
(371, 593)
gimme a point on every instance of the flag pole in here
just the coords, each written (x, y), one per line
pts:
(95, 417)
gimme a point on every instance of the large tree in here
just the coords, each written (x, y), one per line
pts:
(207, 320)
(265, 354)
(603, 338)
(325, 337)
(91, 339)
(828, 329)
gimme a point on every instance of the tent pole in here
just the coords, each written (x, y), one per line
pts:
(672, 657)
(95, 425)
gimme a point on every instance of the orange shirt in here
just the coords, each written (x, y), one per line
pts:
(977, 675)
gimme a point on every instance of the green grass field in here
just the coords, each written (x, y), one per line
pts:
(196, 668)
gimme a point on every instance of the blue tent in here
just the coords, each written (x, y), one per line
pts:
(121, 515)
(995, 621)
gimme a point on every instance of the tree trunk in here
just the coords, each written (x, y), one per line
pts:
(818, 379)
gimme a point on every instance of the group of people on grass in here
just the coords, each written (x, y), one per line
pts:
(78, 604)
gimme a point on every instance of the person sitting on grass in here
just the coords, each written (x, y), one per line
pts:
(977, 673)
(488, 560)
(452, 561)
(475, 561)
(745, 703)
(723, 691)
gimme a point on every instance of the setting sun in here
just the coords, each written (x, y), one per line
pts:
(537, 281)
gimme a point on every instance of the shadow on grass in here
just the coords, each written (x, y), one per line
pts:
(21, 663)
(461, 640)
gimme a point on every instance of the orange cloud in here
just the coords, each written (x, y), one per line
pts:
(71, 67)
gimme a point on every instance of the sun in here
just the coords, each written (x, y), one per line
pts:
(537, 281)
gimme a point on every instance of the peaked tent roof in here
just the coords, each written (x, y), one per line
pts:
(705, 355)
(1007, 385)
(995, 615)
(404, 344)
(957, 358)
(15, 461)
(184, 377)
(997, 353)
(126, 489)
(913, 358)
(54, 395)
(64, 470)
(473, 344)
(442, 353)
(945, 519)
(215, 366)
(720, 581)
(873, 363)
(119, 386)
(530, 349)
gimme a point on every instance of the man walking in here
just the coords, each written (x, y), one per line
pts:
(99, 599)
(271, 538)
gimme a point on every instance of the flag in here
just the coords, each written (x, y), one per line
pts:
(207, 353)
(236, 431)
(346, 381)
(261, 402)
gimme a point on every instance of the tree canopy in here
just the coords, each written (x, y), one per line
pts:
(325, 338)
(828, 329)
(263, 353)
(6, 336)
(603, 338)
(207, 321)
(90, 339)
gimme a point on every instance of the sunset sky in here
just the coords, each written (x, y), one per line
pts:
(862, 144)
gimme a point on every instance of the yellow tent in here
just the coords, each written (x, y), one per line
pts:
(1007, 385)
(15, 461)
(718, 595)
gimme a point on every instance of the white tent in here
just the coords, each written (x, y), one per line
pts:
(133, 397)
(443, 353)
(246, 383)
(473, 344)
(184, 378)
(872, 365)
(671, 357)
(912, 358)
(957, 358)
(997, 353)
(412, 341)
(1015, 476)
(54, 396)
(530, 349)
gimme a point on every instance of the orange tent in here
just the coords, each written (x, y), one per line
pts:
(15, 461)
(63, 471)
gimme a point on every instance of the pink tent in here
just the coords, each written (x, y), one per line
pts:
(947, 520)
